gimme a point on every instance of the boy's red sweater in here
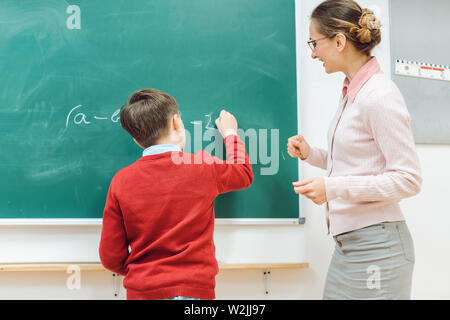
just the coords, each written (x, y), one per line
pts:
(162, 207)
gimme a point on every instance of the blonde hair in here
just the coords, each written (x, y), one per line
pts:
(360, 26)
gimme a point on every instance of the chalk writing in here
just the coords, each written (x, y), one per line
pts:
(81, 117)
(208, 124)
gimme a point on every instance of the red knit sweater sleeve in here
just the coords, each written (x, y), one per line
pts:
(113, 248)
(236, 172)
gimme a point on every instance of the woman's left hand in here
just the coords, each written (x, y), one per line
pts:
(313, 189)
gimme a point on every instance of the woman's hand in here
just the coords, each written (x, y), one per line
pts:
(313, 189)
(297, 147)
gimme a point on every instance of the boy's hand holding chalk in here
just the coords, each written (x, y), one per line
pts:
(226, 123)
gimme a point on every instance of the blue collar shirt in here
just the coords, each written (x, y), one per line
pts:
(160, 148)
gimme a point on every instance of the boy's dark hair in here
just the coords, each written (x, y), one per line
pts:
(146, 115)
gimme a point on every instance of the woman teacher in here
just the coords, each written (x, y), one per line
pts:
(371, 162)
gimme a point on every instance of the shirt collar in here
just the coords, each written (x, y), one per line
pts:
(359, 80)
(160, 148)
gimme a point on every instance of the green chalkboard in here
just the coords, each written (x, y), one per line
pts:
(66, 69)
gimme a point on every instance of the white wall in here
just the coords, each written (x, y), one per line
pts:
(427, 215)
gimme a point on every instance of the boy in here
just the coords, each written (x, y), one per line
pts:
(164, 209)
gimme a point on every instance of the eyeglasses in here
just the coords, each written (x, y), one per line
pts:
(313, 43)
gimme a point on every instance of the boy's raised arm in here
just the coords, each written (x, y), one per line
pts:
(236, 172)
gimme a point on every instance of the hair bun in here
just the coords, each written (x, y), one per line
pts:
(368, 27)
(368, 20)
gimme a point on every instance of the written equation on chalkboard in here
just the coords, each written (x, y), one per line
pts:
(77, 117)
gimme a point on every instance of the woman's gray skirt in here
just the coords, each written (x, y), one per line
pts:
(375, 262)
